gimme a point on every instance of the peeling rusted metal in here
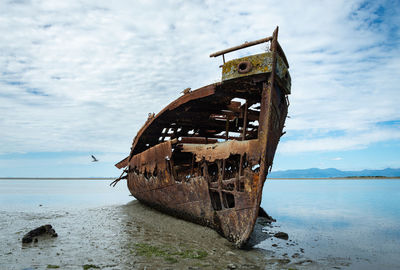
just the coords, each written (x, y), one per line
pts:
(205, 156)
(152, 159)
(222, 150)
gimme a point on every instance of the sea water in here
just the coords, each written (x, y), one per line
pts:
(353, 223)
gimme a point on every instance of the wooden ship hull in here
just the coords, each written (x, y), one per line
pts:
(205, 156)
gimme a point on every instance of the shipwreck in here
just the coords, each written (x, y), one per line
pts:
(205, 156)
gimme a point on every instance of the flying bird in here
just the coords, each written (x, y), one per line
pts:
(94, 159)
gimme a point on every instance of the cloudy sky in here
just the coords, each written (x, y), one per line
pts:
(79, 77)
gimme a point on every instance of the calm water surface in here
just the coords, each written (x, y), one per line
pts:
(332, 224)
(353, 223)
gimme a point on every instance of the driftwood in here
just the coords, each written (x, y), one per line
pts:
(45, 229)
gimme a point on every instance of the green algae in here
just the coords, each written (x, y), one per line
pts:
(88, 266)
(169, 254)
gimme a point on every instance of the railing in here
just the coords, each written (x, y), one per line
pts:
(252, 43)
(242, 46)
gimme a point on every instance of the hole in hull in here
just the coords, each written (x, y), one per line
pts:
(215, 200)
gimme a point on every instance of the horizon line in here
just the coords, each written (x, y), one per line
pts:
(268, 178)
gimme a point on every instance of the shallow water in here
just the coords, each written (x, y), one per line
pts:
(341, 223)
(350, 224)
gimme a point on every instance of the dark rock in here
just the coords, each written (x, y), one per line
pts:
(282, 235)
(45, 229)
(274, 245)
(263, 213)
(284, 261)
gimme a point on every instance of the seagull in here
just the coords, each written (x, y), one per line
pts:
(94, 159)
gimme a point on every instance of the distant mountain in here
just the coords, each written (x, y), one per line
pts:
(332, 172)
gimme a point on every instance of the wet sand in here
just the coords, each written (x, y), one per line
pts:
(130, 236)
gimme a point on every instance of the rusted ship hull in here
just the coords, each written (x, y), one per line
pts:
(205, 156)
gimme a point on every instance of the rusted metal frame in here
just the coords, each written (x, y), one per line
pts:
(223, 170)
(173, 171)
(253, 115)
(205, 173)
(230, 181)
(230, 231)
(192, 169)
(237, 184)
(214, 136)
(250, 127)
(203, 92)
(169, 167)
(195, 114)
(113, 183)
(165, 134)
(242, 46)
(176, 134)
(267, 111)
(213, 185)
(226, 191)
(244, 122)
(282, 54)
(173, 135)
(157, 188)
(266, 97)
(279, 82)
(227, 129)
(123, 163)
(220, 184)
(212, 124)
(267, 108)
(195, 140)
(226, 138)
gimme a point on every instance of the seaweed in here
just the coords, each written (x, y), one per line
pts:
(169, 255)
(88, 266)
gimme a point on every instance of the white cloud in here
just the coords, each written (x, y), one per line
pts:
(82, 76)
(349, 141)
